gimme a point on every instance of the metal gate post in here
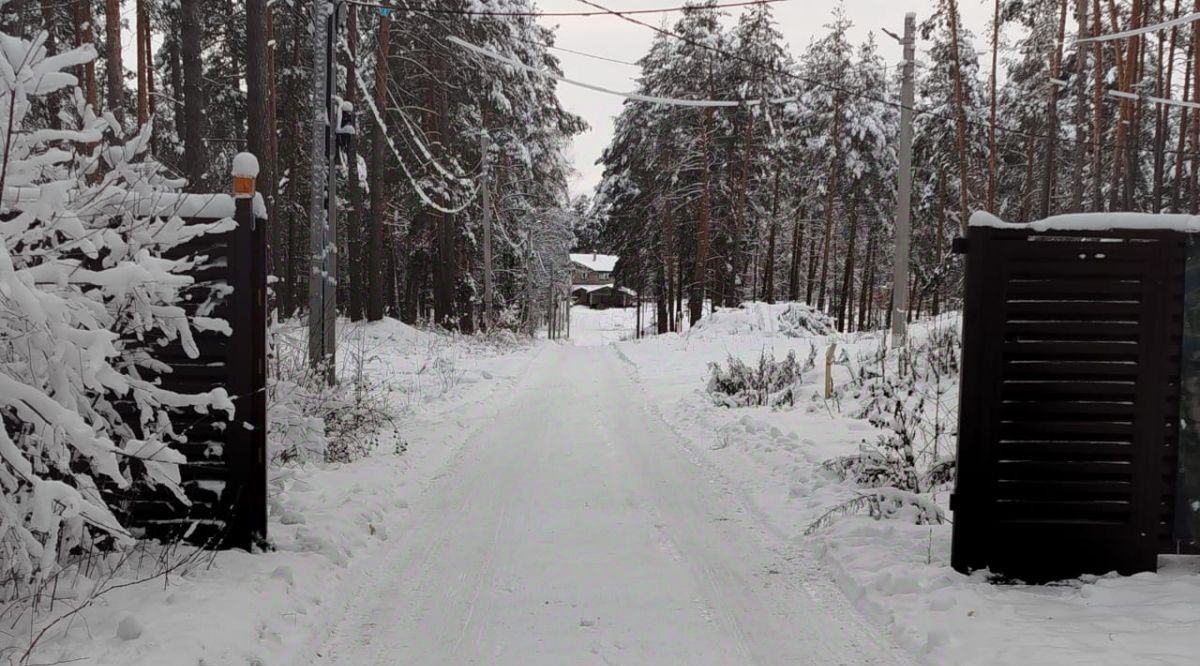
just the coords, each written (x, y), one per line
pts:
(247, 458)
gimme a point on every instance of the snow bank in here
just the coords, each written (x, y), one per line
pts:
(790, 320)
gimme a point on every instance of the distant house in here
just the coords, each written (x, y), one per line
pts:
(601, 296)
(592, 268)
(592, 282)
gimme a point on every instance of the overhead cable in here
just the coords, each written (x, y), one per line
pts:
(400, 6)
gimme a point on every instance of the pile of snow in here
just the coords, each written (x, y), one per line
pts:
(789, 320)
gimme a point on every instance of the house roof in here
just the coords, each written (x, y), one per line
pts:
(603, 263)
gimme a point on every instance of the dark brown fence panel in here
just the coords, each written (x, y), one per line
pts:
(1069, 401)
(225, 474)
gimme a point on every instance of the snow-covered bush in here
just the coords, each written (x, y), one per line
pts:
(85, 295)
(311, 421)
(885, 504)
(770, 383)
(913, 391)
(911, 394)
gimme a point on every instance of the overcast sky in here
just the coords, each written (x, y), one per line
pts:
(799, 21)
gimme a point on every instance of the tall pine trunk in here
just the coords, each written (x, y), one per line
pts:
(769, 264)
(700, 269)
(960, 124)
(797, 256)
(114, 70)
(191, 34)
(143, 56)
(1050, 158)
(354, 240)
(845, 316)
(260, 124)
(375, 248)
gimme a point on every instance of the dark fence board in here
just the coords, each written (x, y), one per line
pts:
(1069, 401)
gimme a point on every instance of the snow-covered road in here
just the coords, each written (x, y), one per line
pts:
(576, 528)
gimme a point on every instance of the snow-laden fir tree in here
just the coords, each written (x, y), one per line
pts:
(85, 296)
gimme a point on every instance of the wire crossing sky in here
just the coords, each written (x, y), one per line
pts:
(613, 37)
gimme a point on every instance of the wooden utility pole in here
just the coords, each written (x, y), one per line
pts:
(904, 190)
(485, 200)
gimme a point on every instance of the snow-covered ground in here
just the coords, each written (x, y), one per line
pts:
(576, 528)
(553, 503)
(898, 573)
(591, 327)
(328, 523)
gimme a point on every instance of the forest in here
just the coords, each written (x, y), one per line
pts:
(794, 198)
(750, 181)
(786, 191)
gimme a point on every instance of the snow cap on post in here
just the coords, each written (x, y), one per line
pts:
(245, 170)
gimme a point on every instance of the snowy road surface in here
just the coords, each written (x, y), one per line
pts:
(576, 528)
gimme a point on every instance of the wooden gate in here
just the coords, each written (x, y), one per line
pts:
(1069, 403)
(225, 477)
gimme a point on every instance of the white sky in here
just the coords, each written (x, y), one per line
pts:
(799, 21)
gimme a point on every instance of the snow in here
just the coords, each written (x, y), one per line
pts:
(576, 528)
(1096, 222)
(328, 522)
(589, 503)
(601, 263)
(591, 327)
(793, 320)
(896, 572)
(245, 164)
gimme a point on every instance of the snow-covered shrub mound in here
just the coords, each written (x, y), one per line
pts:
(82, 274)
(770, 383)
(789, 320)
(910, 394)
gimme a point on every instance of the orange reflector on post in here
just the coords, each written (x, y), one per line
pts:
(243, 185)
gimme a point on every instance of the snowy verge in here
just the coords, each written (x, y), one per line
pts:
(327, 521)
(896, 572)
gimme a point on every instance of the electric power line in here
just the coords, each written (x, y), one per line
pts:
(399, 6)
(860, 94)
(1154, 27)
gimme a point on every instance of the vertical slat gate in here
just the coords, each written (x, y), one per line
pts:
(1069, 401)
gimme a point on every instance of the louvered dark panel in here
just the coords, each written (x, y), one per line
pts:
(1069, 403)
(224, 477)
